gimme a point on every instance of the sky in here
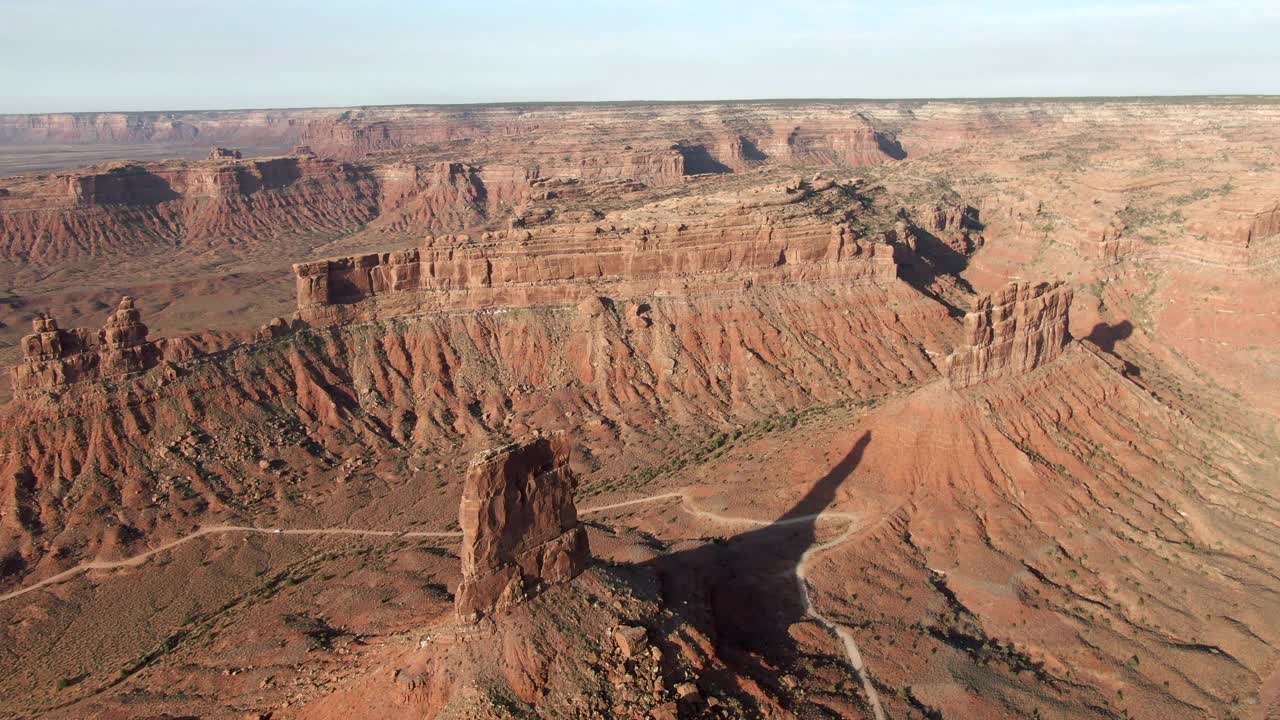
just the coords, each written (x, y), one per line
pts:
(105, 55)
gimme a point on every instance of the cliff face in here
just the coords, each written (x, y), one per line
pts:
(130, 208)
(53, 357)
(750, 305)
(1011, 331)
(1233, 234)
(568, 264)
(192, 434)
(520, 528)
(652, 146)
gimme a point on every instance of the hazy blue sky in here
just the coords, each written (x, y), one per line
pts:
(62, 55)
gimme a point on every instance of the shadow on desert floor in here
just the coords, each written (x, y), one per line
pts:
(745, 587)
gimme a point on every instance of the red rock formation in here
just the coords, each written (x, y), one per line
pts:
(221, 153)
(743, 305)
(1241, 227)
(53, 357)
(1111, 246)
(519, 525)
(1012, 331)
(130, 207)
(1235, 235)
(565, 264)
(431, 381)
(854, 143)
(653, 147)
(945, 234)
(415, 198)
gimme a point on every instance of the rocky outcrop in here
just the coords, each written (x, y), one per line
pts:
(134, 208)
(1239, 227)
(653, 146)
(186, 438)
(53, 357)
(1235, 234)
(416, 198)
(853, 143)
(664, 316)
(1112, 245)
(520, 528)
(1010, 332)
(221, 153)
(131, 208)
(945, 235)
(567, 264)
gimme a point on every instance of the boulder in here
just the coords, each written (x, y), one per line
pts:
(630, 639)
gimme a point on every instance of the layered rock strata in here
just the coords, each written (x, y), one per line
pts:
(662, 316)
(1236, 235)
(1011, 331)
(221, 153)
(54, 357)
(135, 208)
(567, 264)
(520, 527)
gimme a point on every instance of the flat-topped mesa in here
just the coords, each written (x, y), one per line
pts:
(520, 527)
(53, 357)
(564, 264)
(1237, 232)
(1012, 331)
(1238, 227)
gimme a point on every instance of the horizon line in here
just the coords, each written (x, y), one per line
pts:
(1268, 97)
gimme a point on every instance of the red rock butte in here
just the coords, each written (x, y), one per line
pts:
(842, 453)
(53, 357)
(520, 528)
(1011, 331)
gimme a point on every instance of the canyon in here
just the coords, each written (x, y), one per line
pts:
(690, 410)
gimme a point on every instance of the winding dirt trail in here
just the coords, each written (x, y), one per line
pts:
(851, 650)
(141, 558)
(801, 571)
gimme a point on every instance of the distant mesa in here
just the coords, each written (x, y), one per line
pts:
(520, 528)
(758, 243)
(1012, 331)
(221, 153)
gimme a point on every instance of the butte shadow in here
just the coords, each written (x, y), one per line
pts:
(1106, 335)
(743, 591)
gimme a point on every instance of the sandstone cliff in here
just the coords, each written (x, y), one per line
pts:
(568, 264)
(747, 305)
(519, 526)
(133, 208)
(1233, 233)
(53, 357)
(1011, 331)
(656, 148)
